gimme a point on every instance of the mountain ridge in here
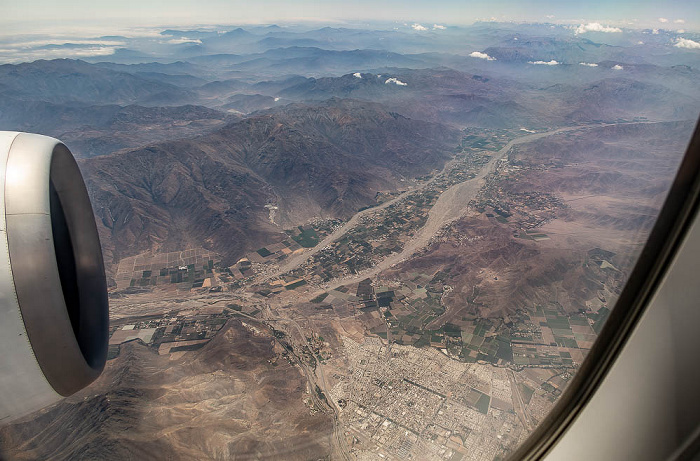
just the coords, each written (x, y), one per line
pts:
(323, 160)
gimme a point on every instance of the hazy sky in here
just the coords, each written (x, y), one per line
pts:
(27, 16)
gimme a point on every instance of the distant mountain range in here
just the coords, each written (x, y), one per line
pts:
(206, 127)
(462, 99)
(91, 130)
(65, 81)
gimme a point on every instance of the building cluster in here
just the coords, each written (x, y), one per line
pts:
(417, 403)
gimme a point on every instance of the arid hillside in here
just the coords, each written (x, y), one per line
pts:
(326, 159)
(236, 398)
(561, 221)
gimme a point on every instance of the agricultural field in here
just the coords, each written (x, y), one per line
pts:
(184, 269)
(407, 312)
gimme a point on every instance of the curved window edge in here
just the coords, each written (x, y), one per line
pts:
(671, 227)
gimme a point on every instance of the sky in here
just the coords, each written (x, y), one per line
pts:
(45, 16)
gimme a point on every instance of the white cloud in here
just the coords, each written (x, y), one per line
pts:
(655, 31)
(180, 40)
(681, 31)
(588, 64)
(438, 26)
(640, 43)
(417, 26)
(545, 63)
(617, 67)
(357, 75)
(679, 21)
(480, 55)
(8, 55)
(550, 16)
(395, 81)
(516, 38)
(663, 20)
(66, 42)
(142, 32)
(30, 47)
(596, 27)
(687, 44)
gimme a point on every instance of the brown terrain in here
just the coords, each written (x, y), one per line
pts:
(600, 190)
(236, 398)
(324, 160)
(555, 219)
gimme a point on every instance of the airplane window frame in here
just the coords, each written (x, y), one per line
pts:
(680, 207)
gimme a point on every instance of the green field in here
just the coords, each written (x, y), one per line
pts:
(483, 403)
(600, 319)
(319, 298)
(308, 238)
(295, 285)
(526, 392)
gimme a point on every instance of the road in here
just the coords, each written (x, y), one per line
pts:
(518, 403)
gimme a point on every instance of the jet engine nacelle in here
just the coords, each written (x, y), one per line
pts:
(53, 292)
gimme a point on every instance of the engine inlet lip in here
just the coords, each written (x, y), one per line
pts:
(56, 262)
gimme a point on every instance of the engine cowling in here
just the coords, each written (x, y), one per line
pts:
(53, 294)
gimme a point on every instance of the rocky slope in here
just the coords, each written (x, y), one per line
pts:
(327, 159)
(224, 401)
